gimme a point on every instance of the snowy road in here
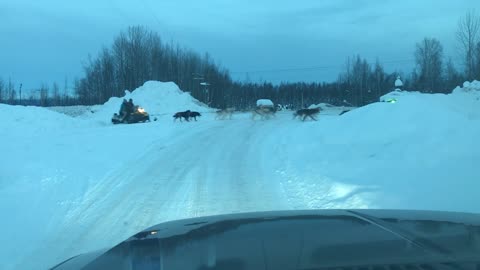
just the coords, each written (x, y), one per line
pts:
(82, 185)
(211, 167)
(209, 171)
(215, 167)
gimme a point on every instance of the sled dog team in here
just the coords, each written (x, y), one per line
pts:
(264, 112)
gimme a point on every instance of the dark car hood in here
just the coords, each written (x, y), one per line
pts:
(310, 239)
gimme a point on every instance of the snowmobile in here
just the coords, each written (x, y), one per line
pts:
(138, 115)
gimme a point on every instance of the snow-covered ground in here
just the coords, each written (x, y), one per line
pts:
(70, 185)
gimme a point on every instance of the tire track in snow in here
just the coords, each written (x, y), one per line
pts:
(305, 187)
(220, 167)
(151, 194)
(126, 201)
(235, 174)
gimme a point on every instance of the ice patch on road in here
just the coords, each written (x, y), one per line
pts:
(320, 192)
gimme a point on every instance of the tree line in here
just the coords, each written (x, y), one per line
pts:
(138, 55)
(45, 96)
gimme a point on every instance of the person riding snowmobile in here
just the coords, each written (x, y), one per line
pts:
(129, 113)
(130, 106)
(126, 109)
(123, 110)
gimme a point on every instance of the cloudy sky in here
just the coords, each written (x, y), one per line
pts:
(274, 40)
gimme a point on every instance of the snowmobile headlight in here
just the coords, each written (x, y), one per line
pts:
(142, 110)
(391, 100)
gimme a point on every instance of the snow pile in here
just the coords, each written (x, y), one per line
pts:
(467, 99)
(157, 98)
(473, 87)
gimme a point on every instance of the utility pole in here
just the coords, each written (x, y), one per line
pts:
(200, 77)
(205, 91)
(303, 104)
(197, 77)
(20, 93)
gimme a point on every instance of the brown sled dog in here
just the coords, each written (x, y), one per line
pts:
(304, 113)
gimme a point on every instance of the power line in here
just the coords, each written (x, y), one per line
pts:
(288, 69)
(310, 68)
(151, 13)
(119, 11)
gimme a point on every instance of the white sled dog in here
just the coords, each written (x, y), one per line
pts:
(265, 112)
(224, 114)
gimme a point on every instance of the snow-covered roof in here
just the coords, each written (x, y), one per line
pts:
(264, 102)
(398, 82)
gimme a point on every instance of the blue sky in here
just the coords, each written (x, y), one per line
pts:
(49, 40)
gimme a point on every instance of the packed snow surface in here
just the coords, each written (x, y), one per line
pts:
(74, 184)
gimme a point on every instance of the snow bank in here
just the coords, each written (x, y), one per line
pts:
(394, 95)
(52, 160)
(71, 190)
(468, 87)
(329, 109)
(73, 111)
(26, 120)
(321, 106)
(157, 98)
(417, 153)
(463, 100)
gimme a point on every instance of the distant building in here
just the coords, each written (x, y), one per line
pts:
(264, 103)
(398, 84)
